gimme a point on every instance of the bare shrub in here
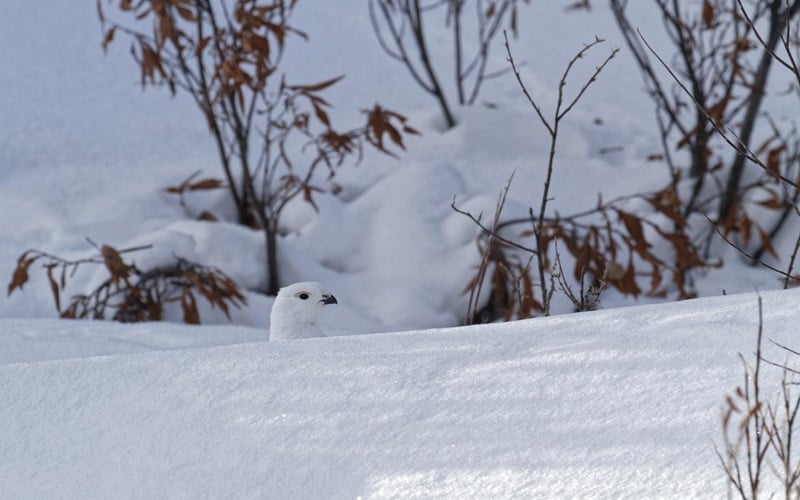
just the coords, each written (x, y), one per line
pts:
(400, 26)
(725, 54)
(130, 294)
(610, 247)
(758, 431)
(587, 296)
(275, 139)
(511, 292)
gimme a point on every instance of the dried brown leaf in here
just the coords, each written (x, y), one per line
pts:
(207, 216)
(717, 111)
(202, 45)
(20, 276)
(634, 227)
(189, 307)
(108, 38)
(315, 87)
(119, 271)
(186, 12)
(308, 192)
(206, 184)
(278, 31)
(766, 242)
(54, 286)
(258, 44)
(655, 281)
(708, 14)
(773, 162)
(322, 116)
(772, 203)
(627, 284)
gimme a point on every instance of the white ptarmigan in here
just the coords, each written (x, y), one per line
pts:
(296, 309)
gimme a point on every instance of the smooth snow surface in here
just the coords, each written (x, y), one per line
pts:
(623, 403)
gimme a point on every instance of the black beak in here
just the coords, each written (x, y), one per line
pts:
(330, 299)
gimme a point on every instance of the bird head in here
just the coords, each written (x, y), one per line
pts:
(296, 309)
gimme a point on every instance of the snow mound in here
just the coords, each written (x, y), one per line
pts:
(623, 403)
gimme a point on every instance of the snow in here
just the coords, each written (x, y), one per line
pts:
(621, 403)
(92, 156)
(27, 341)
(89, 155)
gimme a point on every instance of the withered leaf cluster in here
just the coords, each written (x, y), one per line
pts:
(130, 294)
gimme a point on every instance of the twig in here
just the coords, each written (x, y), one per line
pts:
(552, 129)
(524, 88)
(738, 146)
(477, 286)
(744, 252)
(492, 232)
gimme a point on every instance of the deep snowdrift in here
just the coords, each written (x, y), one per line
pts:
(609, 404)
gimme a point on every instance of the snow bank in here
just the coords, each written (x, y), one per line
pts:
(623, 403)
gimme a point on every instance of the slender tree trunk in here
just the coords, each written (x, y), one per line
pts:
(457, 43)
(778, 20)
(273, 281)
(438, 92)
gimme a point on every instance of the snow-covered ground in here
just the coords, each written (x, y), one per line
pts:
(86, 153)
(622, 403)
(619, 403)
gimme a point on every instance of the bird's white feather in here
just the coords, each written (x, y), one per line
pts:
(296, 309)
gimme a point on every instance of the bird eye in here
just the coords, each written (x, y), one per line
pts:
(303, 296)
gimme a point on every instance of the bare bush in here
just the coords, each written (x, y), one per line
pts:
(609, 245)
(758, 431)
(275, 140)
(714, 108)
(130, 294)
(511, 293)
(400, 26)
(589, 289)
